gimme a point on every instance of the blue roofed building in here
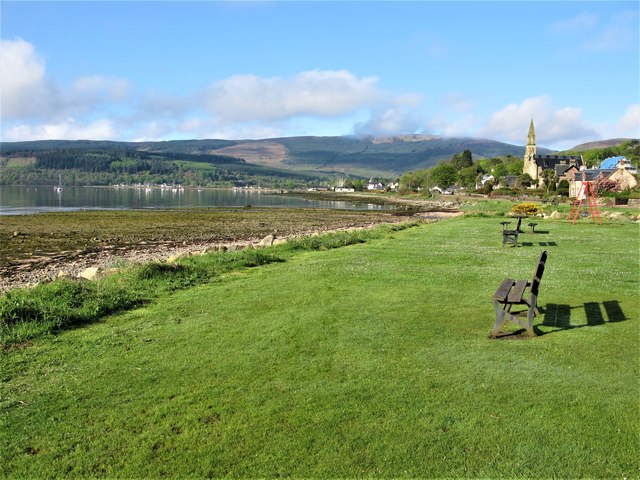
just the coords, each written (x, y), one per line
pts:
(616, 162)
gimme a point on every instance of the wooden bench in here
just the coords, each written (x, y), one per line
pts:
(511, 236)
(512, 292)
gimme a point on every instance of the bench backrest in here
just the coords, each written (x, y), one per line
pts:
(537, 274)
(519, 223)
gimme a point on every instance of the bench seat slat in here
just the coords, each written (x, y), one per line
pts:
(515, 295)
(503, 290)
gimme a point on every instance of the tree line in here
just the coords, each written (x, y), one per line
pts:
(106, 166)
(463, 171)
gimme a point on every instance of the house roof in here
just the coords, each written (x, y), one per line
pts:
(562, 169)
(550, 161)
(510, 180)
(593, 173)
(611, 162)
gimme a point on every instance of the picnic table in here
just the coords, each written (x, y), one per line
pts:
(511, 236)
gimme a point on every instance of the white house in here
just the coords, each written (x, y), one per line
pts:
(373, 185)
(487, 177)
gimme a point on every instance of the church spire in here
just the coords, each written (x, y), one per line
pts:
(530, 165)
(531, 140)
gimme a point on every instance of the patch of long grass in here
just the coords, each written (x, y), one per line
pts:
(27, 313)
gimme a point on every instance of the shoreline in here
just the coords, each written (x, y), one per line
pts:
(102, 246)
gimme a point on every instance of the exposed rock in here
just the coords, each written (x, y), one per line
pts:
(279, 241)
(62, 274)
(266, 241)
(555, 214)
(89, 273)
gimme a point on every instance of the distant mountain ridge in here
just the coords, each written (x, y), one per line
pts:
(613, 142)
(380, 156)
(363, 156)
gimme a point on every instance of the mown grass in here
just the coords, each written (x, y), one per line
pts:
(366, 361)
(33, 312)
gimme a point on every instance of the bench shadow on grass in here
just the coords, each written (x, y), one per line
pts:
(559, 315)
(536, 244)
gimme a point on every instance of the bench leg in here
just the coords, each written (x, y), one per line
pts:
(531, 313)
(503, 314)
(500, 314)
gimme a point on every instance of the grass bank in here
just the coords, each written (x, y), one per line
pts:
(366, 361)
(29, 313)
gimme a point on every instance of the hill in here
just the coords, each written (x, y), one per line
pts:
(366, 156)
(613, 142)
(309, 156)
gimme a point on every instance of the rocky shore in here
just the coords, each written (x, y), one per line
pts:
(40, 248)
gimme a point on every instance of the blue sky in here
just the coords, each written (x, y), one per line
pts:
(245, 70)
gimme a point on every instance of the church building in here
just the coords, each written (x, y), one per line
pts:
(534, 164)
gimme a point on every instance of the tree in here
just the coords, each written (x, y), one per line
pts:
(499, 170)
(515, 167)
(524, 180)
(358, 185)
(549, 178)
(468, 176)
(462, 160)
(444, 175)
(604, 185)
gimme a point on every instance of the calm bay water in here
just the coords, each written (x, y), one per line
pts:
(30, 200)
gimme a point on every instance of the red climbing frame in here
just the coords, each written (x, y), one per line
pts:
(586, 193)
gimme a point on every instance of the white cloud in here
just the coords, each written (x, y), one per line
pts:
(198, 127)
(594, 34)
(27, 93)
(554, 126)
(576, 24)
(456, 101)
(244, 132)
(327, 93)
(100, 88)
(629, 123)
(390, 121)
(69, 129)
(620, 32)
(464, 126)
(23, 85)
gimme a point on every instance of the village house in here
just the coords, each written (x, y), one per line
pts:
(373, 185)
(487, 177)
(617, 162)
(621, 176)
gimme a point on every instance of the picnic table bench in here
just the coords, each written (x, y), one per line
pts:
(512, 292)
(533, 226)
(511, 236)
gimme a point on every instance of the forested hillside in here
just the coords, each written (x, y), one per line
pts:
(277, 163)
(105, 163)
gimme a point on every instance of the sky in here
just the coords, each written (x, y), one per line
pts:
(141, 71)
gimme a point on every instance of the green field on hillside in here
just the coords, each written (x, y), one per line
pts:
(371, 360)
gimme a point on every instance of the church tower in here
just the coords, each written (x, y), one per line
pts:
(530, 166)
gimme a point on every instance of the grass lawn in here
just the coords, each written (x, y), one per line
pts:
(365, 361)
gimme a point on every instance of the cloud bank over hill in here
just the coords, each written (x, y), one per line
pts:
(311, 102)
